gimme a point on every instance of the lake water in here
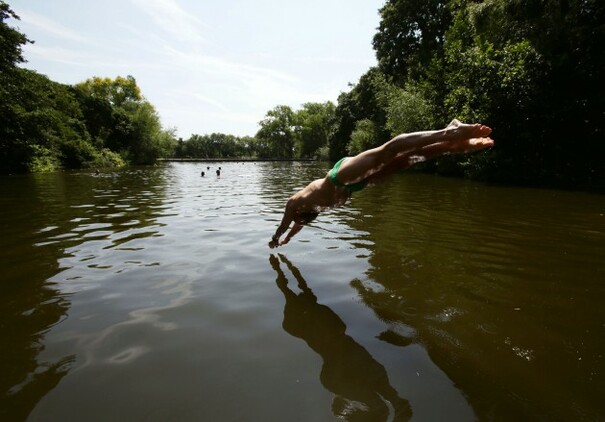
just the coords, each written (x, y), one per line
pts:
(150, 294)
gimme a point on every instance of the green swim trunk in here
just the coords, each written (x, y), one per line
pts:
(352, 187)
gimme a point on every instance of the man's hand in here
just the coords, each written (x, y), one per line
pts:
(276, 243)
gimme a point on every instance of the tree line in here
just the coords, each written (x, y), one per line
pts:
(284, 134)
(530, 69)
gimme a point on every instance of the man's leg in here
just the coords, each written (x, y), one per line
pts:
(455, 136)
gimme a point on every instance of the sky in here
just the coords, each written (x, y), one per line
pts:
(207, 66)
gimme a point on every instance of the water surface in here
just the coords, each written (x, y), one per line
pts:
(150, 294)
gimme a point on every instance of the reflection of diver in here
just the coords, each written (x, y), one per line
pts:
(360, 383)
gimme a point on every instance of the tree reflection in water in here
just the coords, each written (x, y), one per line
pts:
(360, 383)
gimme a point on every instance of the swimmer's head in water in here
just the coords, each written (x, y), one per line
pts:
(306, 217)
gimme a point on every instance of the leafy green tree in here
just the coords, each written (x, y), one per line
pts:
(119, 118)
(41, 122)
(366, 100)
(248, 147)
(116, 91)
(408, 110)
(410, 34)
(42, 127)
(147, 141)
(108, 106)
(363, 137)
(11, 40)
(216, 145)
(222, 145)
(277, 129)
(259, 148)
(313, 128)
(98, 116)
(346, 115)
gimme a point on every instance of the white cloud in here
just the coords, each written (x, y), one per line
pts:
(50, 27)
(212, 77)
(171, 18)
(211, 101)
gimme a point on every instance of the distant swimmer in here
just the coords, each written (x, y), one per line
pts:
(203, 174)
(218, 173)
(351, 174)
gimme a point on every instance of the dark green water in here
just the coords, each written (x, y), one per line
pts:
(150, 294)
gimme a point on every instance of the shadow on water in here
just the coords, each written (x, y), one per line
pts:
(360, 383)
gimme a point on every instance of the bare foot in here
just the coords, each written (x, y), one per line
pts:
(462, 131)
(465, 138)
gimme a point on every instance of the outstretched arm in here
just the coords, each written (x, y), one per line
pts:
(283, 227)
(295, 229)
(463, 146)
(275, 242)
